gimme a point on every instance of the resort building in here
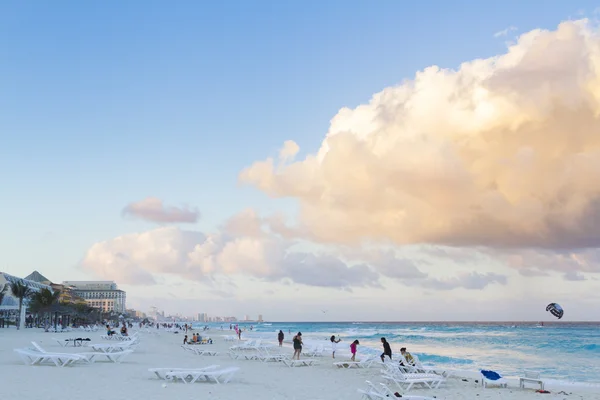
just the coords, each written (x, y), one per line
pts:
(104, 295)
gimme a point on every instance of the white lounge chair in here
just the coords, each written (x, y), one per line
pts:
(33, 357)
(366, 363)
(405, 381)
(531, 377)
(500, 382)
(115, 357)
(161, 372)
(385, 389)
(299, 363)
(191, 376)
(265, 355)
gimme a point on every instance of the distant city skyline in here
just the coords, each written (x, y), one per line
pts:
(338, 161)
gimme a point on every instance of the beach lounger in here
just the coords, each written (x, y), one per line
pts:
(265, 356)
(192, 376)
(33, 357)
(315, 351)
(492, 378)
(405, 381)
(115, 357)
(531, 377)
(161, 372)
(299, 363)
(385, 389)
(366, 363)
(428, 369)
(113, 348)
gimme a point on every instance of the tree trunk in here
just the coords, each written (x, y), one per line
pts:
(20, 322)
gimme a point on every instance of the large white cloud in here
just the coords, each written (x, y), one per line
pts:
(503, 152)
(244, 247)
(240, 248)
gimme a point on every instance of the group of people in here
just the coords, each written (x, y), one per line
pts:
(110, 332)
(297, 343)
(387, 349)
(196, 338)
(387, 352)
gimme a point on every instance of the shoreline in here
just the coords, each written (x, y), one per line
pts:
(267, 381)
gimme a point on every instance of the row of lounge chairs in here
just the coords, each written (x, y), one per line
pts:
(37, 355)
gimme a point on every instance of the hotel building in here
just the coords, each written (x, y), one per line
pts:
(104, 295)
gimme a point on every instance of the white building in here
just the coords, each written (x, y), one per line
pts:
(104, 295)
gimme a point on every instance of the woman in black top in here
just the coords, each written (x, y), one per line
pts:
(297, 346)
(280, 338)
(387, 350)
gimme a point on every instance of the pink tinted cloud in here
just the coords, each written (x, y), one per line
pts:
(153, 209)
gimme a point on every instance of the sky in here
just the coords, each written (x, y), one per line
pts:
(306, 160)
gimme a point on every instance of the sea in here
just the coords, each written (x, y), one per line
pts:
(566, 352)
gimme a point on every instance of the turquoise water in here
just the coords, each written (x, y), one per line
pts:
(564, 351)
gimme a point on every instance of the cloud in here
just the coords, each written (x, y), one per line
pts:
(289, 150)
(574, 276)
(502, 152)
(471, 281)
(153, 209)
(505, 32)
(240, 248)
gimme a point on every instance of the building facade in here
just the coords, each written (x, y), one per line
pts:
(104, 295)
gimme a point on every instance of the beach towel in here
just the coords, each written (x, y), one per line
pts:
(491, 375)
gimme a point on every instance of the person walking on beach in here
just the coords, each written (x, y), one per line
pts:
(280, 337)
(297, 346)
(353, 349)
(387, 350)
(334, 343)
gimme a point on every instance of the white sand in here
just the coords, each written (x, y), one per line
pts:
(256, 380)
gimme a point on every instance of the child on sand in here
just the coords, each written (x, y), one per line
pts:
(334, 343)
(353, 349)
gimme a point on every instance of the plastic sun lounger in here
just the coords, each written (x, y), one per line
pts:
(32, 357)
(115, 357)
(161, 372)
(531, 377)
(390, 393)
(299, 363)
(192, 376)
(406, 381)
(500, 382)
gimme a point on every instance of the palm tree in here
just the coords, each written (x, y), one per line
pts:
(43, 299)
(3, 290)
(21, 292)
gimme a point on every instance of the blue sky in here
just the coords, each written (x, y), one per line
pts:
(108, 103)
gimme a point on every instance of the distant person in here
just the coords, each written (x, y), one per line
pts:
(185, 340)
(407, 356)
(387, 350)
(297, 346)
(353, 349)
(280, 337)
(334, 343)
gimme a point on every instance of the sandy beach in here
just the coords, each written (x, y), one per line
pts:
(256, 379)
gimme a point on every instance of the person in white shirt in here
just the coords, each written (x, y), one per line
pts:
(334, 343)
